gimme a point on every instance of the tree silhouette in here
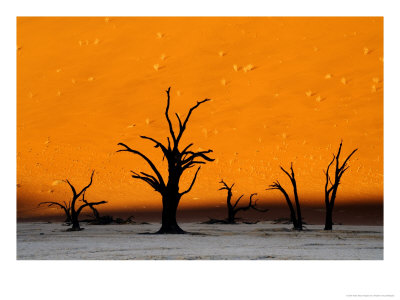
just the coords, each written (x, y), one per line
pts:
(296, 219)
(178, 162)
(97, 219)
(331, 187)
(71, 212)
(64, 206)
(95, 212)
(234, 209)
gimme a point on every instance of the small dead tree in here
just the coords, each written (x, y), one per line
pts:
(178, 162)
(97, 219)
(331, 187)
(296, 219)
(75, 212)
(234, 209)
(64, 206)
(95, 212)
(70, 210)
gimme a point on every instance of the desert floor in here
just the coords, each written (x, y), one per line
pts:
(50, 241)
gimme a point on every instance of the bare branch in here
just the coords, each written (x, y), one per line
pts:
(251, 197)
(237, 201)
(286, 172)
(277, 186)
(330, 189)
(191, 164)
(245, 207)
(225, 187)
(291, 177)
(169, 144)
(186, 148)
(254, 206)
(83, 197)
(330, 181)
(337, 158)
(183, 127)
(194, 155)
(150, 176)
(259, 209)
(340, 148)
(191, 185)
(86, 187)
(179, 120)
(158, 144)
(50, 203)
(171, 130)
(328, 178)
(153, 183)
(64, 207)
(71, 186)
(342, 171)
(88, 204)
(291, 168)
(348, 157)
(153, 167)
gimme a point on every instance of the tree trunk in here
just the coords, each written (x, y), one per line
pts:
(75, 222)
(95, 212)
(329, 209)
(299, 219)
(67, 215)
(328, 219)
(75, 226)
(231, 215)
(293, 218)
(170, 206)
(296, 199)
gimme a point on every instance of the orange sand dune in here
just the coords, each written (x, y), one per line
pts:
(283, 89)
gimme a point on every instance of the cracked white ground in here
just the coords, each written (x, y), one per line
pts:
(212, 242)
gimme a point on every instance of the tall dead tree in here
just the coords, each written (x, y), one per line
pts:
(331, 187)
(70, 210)
(295, 216)
(277, 186)
(178, 162)
(234, 209)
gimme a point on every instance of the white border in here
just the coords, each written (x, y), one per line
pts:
(199, 279)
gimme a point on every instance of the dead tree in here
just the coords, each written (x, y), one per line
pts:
(295, 218)
(95, 212)
(277, 186)
(64, 206)
(178, 162)
(331, 187)
(97, 219)
(234, 209)
(70, 210)
(75, 212)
